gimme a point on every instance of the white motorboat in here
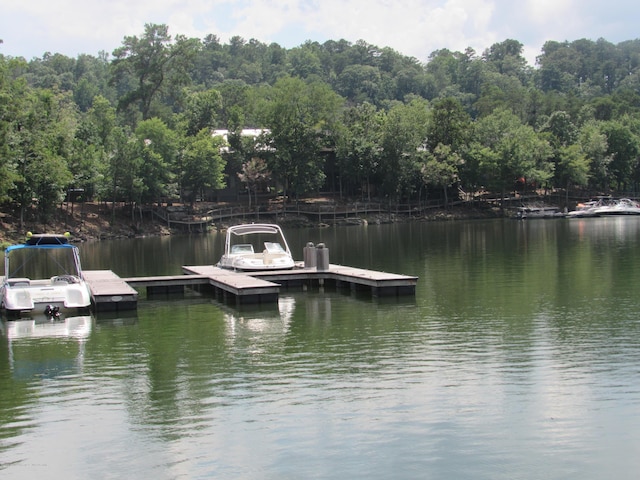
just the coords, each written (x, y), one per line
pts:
(624, 206)
(256, 247)
(586, 209)
(43, 276)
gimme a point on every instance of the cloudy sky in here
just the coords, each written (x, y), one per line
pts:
(416, 28)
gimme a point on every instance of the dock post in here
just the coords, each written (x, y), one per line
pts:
(322, 257)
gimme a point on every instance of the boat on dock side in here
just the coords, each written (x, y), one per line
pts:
(256, 247)
(587, 209)
(43, 276)
(623, 206)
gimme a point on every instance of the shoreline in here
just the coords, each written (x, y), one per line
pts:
(91, 222)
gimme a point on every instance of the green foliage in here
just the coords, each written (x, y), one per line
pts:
(147, 67)
(202, 165)
(130, 128)
(359, 148)
(505, 150)
(299, 115)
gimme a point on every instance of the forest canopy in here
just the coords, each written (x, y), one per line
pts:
(135, 125)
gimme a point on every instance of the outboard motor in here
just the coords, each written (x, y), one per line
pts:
(52, 312)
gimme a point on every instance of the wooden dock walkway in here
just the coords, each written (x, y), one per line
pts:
(244, 288)
(380, 283)
(109, 292)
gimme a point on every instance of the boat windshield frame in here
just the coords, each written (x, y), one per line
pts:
(41, 246)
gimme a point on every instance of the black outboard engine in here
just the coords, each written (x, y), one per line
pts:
(52, 312)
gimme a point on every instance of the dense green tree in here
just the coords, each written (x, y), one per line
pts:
(404, 136)
(151, 65)
(201, 111)
(158, 149)
(623, 148)
(440, 169)
(301, 118)
(255, 173)
(448, 124)
(505, 150)
(122, 180)
(594, 145)
(359, 148)
(12, 95)
(202, 165)
(40, 143)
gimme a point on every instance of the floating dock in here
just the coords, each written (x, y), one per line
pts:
(109, 292)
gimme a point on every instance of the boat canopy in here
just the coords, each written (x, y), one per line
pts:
(43, 241)
(253, 228)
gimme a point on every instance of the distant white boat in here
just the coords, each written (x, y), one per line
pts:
(624, 206)
(586, 209)
(43, 276)
(256, 247)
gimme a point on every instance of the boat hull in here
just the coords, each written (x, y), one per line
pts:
(41, 296)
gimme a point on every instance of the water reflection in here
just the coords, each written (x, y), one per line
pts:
(522, 343)
(32, 345)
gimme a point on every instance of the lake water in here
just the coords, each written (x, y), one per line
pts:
(518, 357)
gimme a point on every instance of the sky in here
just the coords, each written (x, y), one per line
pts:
(415, 28)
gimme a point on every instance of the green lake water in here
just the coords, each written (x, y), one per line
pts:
(518, 357)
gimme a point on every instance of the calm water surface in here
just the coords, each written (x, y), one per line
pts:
(519, 357)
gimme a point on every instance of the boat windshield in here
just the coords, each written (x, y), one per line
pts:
(40, 263)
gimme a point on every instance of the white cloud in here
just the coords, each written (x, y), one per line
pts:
(412, 27)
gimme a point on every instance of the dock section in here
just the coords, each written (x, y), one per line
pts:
(244, 288)
(109, 292)
(379, 283)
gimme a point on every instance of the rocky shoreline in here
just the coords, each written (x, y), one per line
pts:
(93, 221)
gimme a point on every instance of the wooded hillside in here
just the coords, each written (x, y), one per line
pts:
(363, 121)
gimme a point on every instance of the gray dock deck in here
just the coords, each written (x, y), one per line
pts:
(110, 292)
(245, 288)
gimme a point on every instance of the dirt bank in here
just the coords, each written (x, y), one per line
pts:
(95, 221)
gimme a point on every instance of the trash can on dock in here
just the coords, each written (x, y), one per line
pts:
(309, 255)
(322, 257)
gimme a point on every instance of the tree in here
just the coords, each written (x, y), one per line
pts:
(147, 67)
(359, 146)
(301, 117)
(448, 124)
(403, 138)
(441, 169)
(254, 174)
(201, 111)
(594, 145)
(623, 148)
(202, 165)
(158, 149)
(39, 144)
(12, 96)
(507, 150)
(570, 164)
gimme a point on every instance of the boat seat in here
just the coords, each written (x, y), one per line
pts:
(64, 279)
(19, 282)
